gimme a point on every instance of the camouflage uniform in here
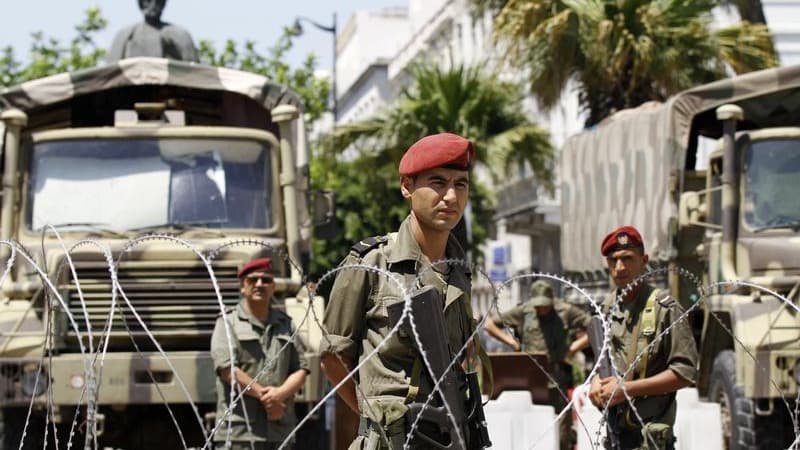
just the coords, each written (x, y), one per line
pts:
(357, 319)
(550, 335)
(256, 344)
(676, 351)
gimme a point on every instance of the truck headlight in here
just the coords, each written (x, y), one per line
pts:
(31, 385)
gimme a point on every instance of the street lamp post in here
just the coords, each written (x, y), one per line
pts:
(331, 29)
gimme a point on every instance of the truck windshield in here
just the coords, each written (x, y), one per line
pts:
(772, 191)
(131, 184)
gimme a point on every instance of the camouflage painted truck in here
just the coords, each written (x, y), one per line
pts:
(733, 217)
(114, 154)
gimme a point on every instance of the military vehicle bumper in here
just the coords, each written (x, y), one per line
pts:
(124, 378)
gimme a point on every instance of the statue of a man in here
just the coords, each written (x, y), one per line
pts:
(153, 37)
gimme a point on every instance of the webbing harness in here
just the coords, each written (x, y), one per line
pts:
(643, 334)
(641, 338)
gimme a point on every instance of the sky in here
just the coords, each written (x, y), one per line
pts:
(257, 20)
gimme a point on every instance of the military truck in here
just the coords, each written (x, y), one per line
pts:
(732, 218)
(215, 158)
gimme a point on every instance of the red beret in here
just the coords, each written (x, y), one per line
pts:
(437, 150)
(622, 238)
(256, 265)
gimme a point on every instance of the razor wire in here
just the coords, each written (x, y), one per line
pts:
(94, 355)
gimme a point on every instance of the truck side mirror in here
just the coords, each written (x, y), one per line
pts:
(323, 214)
(691, 210)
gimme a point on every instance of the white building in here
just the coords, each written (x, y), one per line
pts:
(783, 19)
(364, 47)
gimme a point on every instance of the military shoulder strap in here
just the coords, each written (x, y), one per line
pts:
(645, 333)
(364, 246)
(642, 334)
(664, 299)
(226, 311)
(649, 314)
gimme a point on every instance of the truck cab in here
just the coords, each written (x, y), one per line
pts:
(750, 338)
(132, 194)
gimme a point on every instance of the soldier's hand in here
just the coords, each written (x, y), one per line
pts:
(595, 391)
(255, 390)
(272, 395)
(610, 389)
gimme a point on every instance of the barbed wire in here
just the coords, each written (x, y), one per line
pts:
(93, 344)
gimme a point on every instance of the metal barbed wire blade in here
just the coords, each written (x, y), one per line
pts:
(93, 342)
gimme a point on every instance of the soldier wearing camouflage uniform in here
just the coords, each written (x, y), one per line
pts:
(551, 328)
(263, 347)
(669, 364)
(435, 179)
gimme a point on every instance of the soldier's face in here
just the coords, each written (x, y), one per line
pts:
(626, 265)
(152, 9)
(438, 197)
(258, 286)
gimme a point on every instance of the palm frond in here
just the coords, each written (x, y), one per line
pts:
(526, 146)
(746, 47)
(624, 52)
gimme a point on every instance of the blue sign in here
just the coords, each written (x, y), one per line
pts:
(501, 254)
(498, 274)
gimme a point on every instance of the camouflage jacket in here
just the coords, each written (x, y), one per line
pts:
(256, 345)
(551, 334)
(676, 350)
(357, 319)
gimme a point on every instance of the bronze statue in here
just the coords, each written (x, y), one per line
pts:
(152, 37)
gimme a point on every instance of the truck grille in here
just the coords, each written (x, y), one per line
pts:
(175, 300)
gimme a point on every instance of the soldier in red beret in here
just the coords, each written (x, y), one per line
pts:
(434, 178)
(663, 367)
(261, 334)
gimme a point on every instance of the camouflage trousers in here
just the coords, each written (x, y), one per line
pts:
(659, 437)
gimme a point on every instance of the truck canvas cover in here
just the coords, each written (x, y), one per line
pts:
(629, 169)
(146, 71)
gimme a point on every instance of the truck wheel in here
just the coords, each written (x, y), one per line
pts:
(742, 429)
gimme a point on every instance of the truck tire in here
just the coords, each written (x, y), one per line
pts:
(742, 429)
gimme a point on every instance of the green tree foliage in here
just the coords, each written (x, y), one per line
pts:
(623, 53)
(48, 56)
(360, 160)
(314, 91)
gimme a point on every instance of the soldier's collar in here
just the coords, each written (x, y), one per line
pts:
(273, 318)
(639, 297)
(406, 248)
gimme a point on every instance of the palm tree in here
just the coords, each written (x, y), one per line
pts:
(461, 100)
(624, 52)
(464, 101)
